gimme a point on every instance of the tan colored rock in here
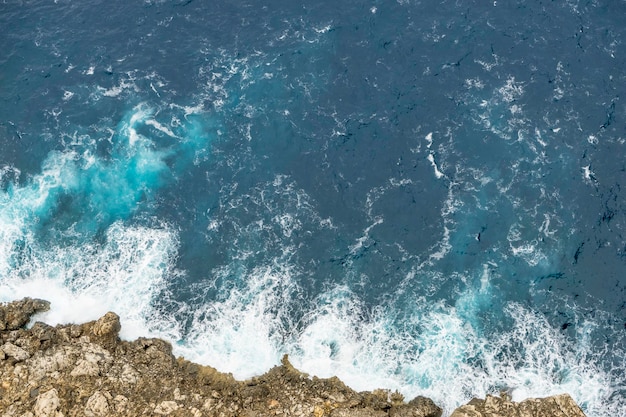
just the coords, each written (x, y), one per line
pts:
(17, 314)
(121, 404)
(86, 370)
(129, 375)
(52, 360)
(166, 407)
(556, 406)
(107, 325)
(178, 396)
(417, 407)
(14, 352)
(94, 361)
(98, 405)
(47, 404)
(357, 412)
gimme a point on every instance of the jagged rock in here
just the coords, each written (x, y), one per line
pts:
(86, 370)
(417, 407)
(47, 404)
(16, 315)
(107, 325)
(15, 352)
(556, 406)
(426, 406)
(98, 405)
(93, 361)
(166, 407)
(357, 412)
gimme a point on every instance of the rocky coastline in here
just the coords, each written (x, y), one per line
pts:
(86, 370)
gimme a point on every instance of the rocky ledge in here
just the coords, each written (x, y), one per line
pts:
(86, 370)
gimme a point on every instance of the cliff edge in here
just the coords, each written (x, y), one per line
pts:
(86, 370)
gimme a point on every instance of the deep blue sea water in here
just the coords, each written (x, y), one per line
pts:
(425, 196)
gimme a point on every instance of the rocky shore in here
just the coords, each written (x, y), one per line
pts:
(86, 370)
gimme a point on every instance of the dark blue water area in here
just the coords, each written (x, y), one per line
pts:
(403, 193)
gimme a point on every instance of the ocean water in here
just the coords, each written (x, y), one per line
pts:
(425, 196)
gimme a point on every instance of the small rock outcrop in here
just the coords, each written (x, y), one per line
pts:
(17, 314)
(86, 370)
(556, 406)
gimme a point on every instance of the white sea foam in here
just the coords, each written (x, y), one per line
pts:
(288, 223)
(67, 95)
(512, 90)
(365, 239)
(429, 140)
(83, 282)
(158, 126)
(588, 175)
(433, 349)
(243, 332)
(431, 159)
(140, 114)
(448, 359)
